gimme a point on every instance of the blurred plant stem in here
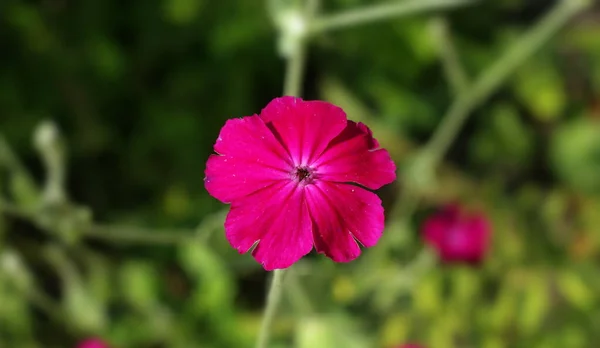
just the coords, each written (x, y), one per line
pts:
(379, 12)
(127, 234)
(50, 146)
(493, 77)
(297, 295)
(468, 96)
(401, 281)
(132, 234)
(295, 34)
(12, 265)
(459, 82)
(50, 308)
(21, 184)
(454, 71)
(273, 299)
(139, 235)
(48, 143)
(12, 210)
(209, 225)
(421, 170)
(294, 72)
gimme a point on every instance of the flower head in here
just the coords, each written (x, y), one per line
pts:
(458, 235)
(298, 175)
(92, 343)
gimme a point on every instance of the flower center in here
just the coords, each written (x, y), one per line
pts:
(304, 175)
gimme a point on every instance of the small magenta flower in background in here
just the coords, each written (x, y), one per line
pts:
(299, 175)
(458, 235)
(92, 343)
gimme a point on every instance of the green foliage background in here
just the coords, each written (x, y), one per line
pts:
(139, 91)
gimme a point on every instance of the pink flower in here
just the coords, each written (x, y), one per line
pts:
(92, 343)
(298, 175)
(458, 235)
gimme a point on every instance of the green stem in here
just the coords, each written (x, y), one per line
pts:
(292, 87)
(210, 224)
(296, 61)
(393, 288)
(471, 97)
(52, 309)
(455, 73)
(273, 299)
(138, 235)
(295, 72)
(10, 160)
(27, 191)
(496, 74)
(376, 13)
(129, 234)
(297, 296)
(12, 210)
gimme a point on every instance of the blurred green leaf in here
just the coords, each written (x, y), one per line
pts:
(85, 311)
(445, 325)
(99, 279)
(575, 154)
(335, 92)
(23, 191)
(214, 285)
(29, 22)
(401, 107)
(505, 142)
(575, 290)
(415, 32)
(182, 11)
(177, 202)
(426, 294)
(535, 304)
(82, 308)
(493, 342)
(395, 329)
(329, 331)
(539, 86)
(465, 286)
(139, 283)
(503, 310)
(15, 316)
(106, 57)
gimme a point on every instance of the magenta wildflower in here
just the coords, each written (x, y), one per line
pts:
(298, 175)
(92, 343)
(458, 235)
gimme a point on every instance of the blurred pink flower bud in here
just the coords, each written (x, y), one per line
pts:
(92, 343)
(458, 235)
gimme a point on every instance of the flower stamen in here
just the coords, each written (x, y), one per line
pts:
(304, 175)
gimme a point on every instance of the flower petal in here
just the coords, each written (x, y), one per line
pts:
(277, 218)
(458, 236)
(305, 128)
(250, 158)
(434, 230)
(353, 157)
(342, 213)
(480, 235)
